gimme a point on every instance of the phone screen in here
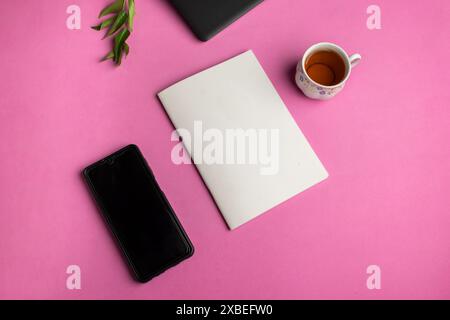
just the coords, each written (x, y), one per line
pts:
(138, 213)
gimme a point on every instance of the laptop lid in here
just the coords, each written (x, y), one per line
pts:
(206, 18)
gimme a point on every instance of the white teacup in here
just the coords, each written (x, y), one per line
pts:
(315, 90)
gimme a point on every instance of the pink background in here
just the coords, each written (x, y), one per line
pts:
(384, 141)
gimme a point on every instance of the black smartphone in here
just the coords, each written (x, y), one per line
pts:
(138, 213)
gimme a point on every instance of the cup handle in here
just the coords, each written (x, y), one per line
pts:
(354, 59)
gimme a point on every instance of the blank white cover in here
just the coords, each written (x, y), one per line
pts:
(238, 94)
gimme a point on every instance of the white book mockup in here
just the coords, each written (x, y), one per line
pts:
(247, 147)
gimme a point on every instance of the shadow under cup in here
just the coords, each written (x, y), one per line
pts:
(326, 67)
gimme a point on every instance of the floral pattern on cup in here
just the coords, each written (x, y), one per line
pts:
(313, 91)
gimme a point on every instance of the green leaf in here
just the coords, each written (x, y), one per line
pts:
(119, 25)
(119, 41)
(110, 55)
(131, 13)
(120, 20)
(119, 58)
(115, 7)
(104, 24)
